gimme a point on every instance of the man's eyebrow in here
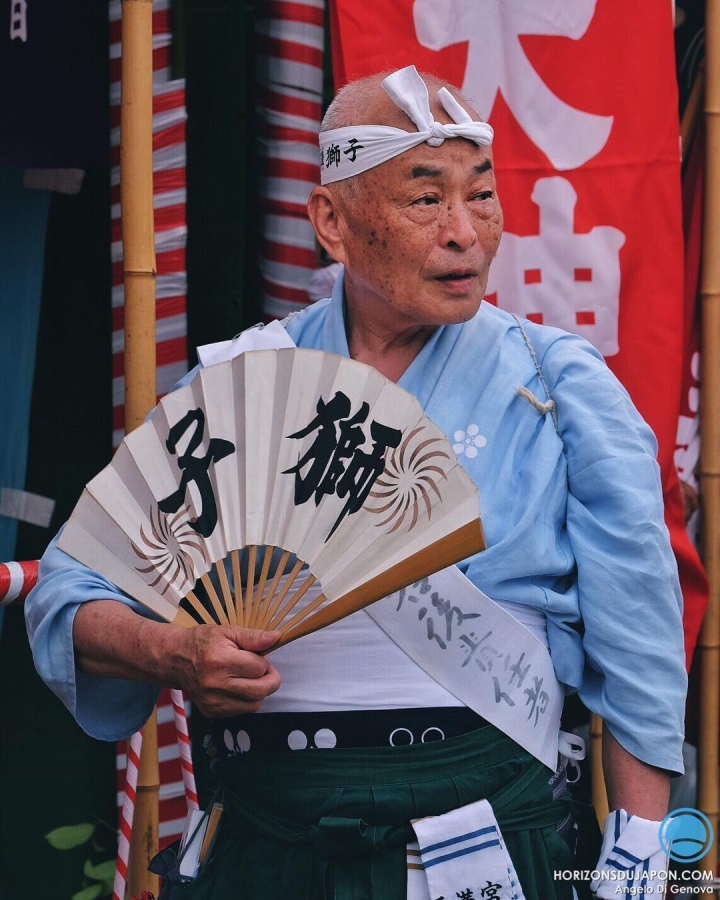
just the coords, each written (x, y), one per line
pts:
(436, 172)
(426, 172)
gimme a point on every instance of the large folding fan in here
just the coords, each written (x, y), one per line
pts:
(301, 467)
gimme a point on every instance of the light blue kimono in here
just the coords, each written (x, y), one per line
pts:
(574, 526)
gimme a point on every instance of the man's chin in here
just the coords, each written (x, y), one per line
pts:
(457, 312)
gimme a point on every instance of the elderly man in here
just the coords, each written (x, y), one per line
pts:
(577, 553)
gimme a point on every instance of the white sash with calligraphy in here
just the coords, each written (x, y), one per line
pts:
(481, 654)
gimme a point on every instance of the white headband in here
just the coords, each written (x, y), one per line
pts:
(345, 152)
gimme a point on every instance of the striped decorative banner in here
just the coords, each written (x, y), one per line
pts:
(169, 200)
(290, 41)
(169, 183)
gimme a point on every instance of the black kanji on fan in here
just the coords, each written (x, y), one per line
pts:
(196, 469)
(337, 465)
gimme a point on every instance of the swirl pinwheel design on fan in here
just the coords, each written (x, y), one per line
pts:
(299, 468)
(167, 550)
(412, 471)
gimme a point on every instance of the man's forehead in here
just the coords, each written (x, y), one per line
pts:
(455, 154)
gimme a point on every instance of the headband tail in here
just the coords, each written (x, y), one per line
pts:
(451, 106)
(408, 91)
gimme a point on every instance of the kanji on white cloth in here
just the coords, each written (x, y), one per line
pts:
(463, 854)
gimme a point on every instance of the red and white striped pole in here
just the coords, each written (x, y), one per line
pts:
(127, 815)
(183, 739)
(17, 579)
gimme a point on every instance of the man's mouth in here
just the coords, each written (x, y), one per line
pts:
(456, 276)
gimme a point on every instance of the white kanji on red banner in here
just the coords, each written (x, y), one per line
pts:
(558, 276)
(687, 452)
(568, 136)
(597, 251)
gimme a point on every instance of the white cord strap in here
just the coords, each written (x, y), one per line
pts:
(542, 407)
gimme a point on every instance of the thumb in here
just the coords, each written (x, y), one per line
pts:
(253, 639)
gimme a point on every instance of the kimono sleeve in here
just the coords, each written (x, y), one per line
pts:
(109, 709)
(106, 708)
(628, 588)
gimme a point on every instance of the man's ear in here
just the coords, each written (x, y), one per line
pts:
(325, 213)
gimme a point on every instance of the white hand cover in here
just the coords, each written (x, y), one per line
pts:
(631, 858)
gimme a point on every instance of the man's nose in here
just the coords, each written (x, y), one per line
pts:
(459, 229)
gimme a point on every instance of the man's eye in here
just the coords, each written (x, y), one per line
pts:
(484, 195)
(427, 200)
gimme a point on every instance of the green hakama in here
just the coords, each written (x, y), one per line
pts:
(334, 824)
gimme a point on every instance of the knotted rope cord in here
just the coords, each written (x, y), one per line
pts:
(543, 408)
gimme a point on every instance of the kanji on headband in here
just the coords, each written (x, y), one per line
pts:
(348, 151)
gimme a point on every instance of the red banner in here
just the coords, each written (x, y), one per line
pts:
(583, 99)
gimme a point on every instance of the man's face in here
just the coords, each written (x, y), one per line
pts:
(419, 235)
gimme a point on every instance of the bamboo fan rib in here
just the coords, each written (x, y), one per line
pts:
(282, 489)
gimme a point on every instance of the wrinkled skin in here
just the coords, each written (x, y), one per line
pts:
(219, 667)
(419, 241)
(417, 235)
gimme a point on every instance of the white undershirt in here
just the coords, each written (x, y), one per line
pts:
(354, 665)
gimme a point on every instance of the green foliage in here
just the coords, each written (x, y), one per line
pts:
(69, 836)
(104, 871)
(98, 877)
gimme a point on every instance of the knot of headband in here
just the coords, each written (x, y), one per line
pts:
(348, 151)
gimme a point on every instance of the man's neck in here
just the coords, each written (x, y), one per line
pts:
(386, 349)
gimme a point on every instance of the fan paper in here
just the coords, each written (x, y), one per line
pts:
(302, 450)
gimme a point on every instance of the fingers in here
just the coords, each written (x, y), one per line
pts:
(235, 696)
(228, 676)
(250, 692)
(254, 640)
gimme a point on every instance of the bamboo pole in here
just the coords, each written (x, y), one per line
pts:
(136, 199)
(709, 642)
(145, 830)
(597, 774)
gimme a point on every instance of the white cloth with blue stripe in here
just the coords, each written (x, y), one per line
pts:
(631, 858)
(463, 855)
